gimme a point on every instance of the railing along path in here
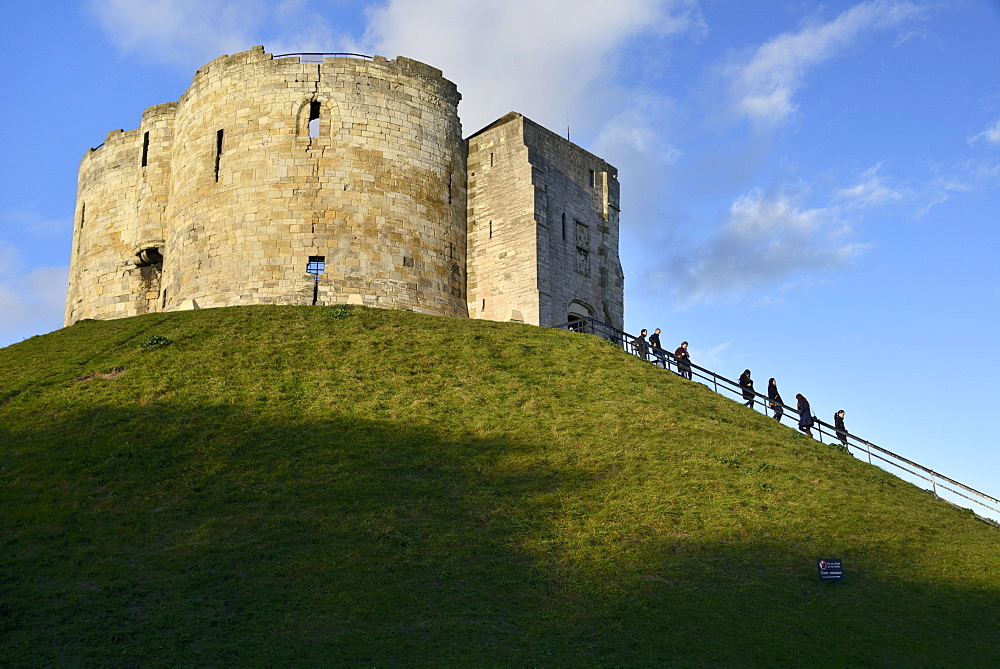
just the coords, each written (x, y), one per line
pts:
(723, 385)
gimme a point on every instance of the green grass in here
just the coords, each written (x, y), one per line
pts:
(306, 485)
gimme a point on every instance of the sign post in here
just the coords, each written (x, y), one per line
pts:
(830, 569)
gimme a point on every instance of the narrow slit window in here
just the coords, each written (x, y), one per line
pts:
(314, 109)
(449, 189)
(315, 266)
(164, 299)
(145, 148)
(218, 152)
(491, 160)
(79, 238)
(564, 226)
(491, 229)
(593, 179)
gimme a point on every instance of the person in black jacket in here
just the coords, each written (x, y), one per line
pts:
(774, 397)
(746, 383)
(805, 414)
(639, 345)
(838, 424)
(654, 343)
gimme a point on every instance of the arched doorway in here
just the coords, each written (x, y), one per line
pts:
(579, 316)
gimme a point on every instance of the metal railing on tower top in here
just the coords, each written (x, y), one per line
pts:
(723, 386)
(318, 56)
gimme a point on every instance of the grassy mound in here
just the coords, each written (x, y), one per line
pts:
(311, 485)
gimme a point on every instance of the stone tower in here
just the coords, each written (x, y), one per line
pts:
(279, 181)
(343, 181)
(543, 228)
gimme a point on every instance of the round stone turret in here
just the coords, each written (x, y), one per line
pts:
(279, 181)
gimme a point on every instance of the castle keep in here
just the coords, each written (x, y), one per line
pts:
(346, 181)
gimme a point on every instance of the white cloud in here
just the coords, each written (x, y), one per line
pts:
(543, 58)
(765, 84)
(991, 135)
(967, 176)
(640, 129)
(28, 221)
(871, 190)
(189, 33)
(182, 32)
(32, 302)
(767, 239)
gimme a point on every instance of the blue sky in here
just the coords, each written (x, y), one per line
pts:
(809, 190)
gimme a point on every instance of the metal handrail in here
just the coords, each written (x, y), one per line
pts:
(324, 54)
(721, 384)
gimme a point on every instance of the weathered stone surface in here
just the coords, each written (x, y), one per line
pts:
(543, 228)
(263, 166)
(382, 180)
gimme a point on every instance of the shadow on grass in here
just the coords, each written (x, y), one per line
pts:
(215, 534)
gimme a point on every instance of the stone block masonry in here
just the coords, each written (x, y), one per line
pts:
(278, 181)
(543, 228)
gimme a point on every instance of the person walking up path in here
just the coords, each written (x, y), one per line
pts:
(639, 345)
(838, 424)
(805, 414)
(746, 383)
(683, 360)
(654, 343)
(774, 397)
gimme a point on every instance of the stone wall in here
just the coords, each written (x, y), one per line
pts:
(543, 228)
(277, 181)
(236, 190)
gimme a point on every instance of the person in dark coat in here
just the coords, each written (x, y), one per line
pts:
(805, 414)
(838, 424)
(683, 360)
(746, 383)
(654, 340)
(654, 343)
(774, 397)
(639, 345)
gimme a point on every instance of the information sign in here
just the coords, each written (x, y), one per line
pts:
(830, 569)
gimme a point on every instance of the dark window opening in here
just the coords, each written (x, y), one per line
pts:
(83, 214)
(145, 148)
(491, 160)
(218, 153)
(484, 304)
(407, 262)
(564, 226)
(314, 108)
(491, 229)
(315, 266)
(451, 251)
(449, 189)
(148, 256)
(593, 178)
(164, 299)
